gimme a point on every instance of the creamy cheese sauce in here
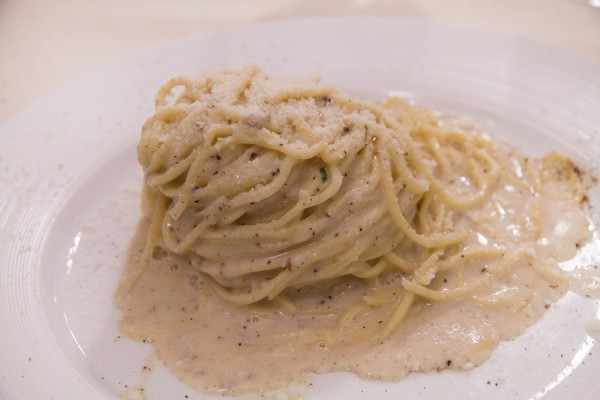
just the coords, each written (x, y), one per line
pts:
(217, 347)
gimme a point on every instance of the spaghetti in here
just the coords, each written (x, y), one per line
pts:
(340, 223)
(270, 184)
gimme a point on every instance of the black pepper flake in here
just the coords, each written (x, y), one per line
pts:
(449, 362)
(253, 156)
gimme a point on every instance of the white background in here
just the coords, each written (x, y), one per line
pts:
(44, 44)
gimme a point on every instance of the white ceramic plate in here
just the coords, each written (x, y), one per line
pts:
(69, 197)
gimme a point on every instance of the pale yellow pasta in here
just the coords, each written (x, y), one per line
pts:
(271, 184)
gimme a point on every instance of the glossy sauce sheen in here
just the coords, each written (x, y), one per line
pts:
(216, 347)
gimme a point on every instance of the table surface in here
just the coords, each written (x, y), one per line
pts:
(44, 44)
